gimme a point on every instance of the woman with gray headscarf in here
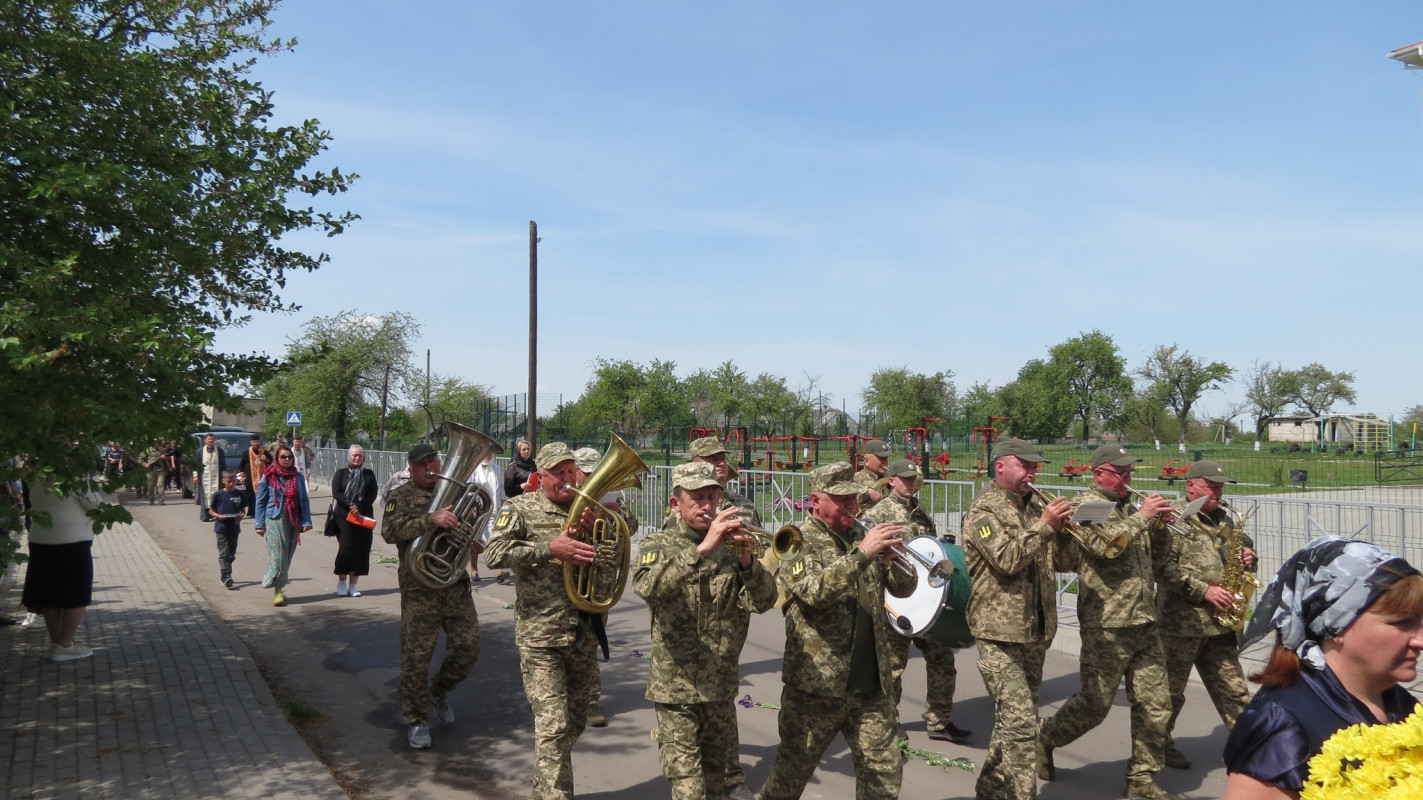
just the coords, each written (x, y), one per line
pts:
(354, 489)
(1348, 624)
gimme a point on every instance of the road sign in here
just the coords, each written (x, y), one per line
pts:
(293, 418)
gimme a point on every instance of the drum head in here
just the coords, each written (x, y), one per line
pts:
(917, 613)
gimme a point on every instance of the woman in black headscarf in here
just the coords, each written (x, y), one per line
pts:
(354, 488)
(1348, 623)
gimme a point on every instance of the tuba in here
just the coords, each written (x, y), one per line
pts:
(439, 560)
(596, 587)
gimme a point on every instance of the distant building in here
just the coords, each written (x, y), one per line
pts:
(1362, 431)
(253, 415)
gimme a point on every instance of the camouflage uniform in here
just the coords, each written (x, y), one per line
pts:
(1117, 613)
(1012, 557)
(701, 609)
(425, 612)
(940, 673)
(1189, 633)
(868, 480)
(556, 649)
(832, 585)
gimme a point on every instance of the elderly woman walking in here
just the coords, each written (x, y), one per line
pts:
(354, 489)
(283, 513)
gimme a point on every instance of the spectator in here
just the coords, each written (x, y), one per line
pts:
(257, 460)
(213, 463)
(59, 582)
(517, 477)
(485, 476)
(283, 514)
(354, 489)
(226, 506)
(301, 454)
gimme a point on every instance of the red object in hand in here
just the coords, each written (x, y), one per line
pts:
(534, 481)
(356, 519)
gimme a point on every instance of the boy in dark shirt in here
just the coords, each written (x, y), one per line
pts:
(227, 507)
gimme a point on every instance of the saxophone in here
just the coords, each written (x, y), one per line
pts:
(1235, 578)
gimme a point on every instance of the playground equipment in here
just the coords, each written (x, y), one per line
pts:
(1072, 469)
(984, 438)
(1170, 473)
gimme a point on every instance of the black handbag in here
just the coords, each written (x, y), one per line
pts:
(333, 520)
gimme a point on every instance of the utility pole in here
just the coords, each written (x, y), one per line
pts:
(530, 421)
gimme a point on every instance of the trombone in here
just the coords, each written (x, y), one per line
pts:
(1095, 541)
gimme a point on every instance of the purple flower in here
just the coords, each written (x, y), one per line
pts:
(745, 702)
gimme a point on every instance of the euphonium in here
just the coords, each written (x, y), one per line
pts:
(1096, 542)
(1235, 578)
(596, 587)
(439, 560)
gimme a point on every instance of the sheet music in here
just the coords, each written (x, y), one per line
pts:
(1093, 512)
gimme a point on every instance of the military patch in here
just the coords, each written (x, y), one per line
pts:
(798, 568)
(648, 558)
(390, 506)
(505, 517)
(985, 528)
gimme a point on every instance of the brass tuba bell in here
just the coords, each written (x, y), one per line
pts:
(439, 560)
(596, 587)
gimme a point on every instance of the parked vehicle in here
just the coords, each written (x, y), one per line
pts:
(234, 442)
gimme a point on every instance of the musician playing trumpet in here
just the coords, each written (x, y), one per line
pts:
(1189, 595)
(702, 585)
(425, 612)
(557, 642)
(1013, 548)
(1116, 609)
(900, 506)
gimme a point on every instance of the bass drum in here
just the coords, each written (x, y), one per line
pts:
(939, 614)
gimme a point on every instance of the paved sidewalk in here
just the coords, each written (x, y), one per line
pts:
(171, 704)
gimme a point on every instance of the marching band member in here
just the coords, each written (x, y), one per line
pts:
(1117, 613)
(838, 672)
(901, 507)
(425, 612)
(1012, 550)
(701, 594)
(1188, 595)
(557, 642)
(875, 457)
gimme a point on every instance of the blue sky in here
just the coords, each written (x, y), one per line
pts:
(823, 189)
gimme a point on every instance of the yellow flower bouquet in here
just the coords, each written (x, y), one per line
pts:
(1370, 762)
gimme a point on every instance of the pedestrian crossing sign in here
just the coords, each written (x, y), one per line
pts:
(294, 418)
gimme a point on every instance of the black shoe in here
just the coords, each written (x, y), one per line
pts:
(1175, 759)
(227, 582)
(951, 733)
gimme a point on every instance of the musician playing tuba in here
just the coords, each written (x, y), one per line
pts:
(425, 611)
(1190, 595)
(701, 592)
(557, 642)
(900, 505)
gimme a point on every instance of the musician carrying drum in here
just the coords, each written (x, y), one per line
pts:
(900, 505)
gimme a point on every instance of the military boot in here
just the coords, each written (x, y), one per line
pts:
(1148, 790)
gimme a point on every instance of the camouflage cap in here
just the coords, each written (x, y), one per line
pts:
(1018, 448)
(1113, 454)
(419, 453)
(1209, 470)
(901, 468)
(837, 478)
(707, 446)
(693, 475)
(587, 458)
(875, 447)
(552, 454)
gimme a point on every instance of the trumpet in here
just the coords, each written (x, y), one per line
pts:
(1095, 541)
(1177, 526)
(910, 562)
(785, 542)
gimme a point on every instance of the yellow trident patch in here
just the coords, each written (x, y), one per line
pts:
(797, 568)
(505, 515)
(648, 558)
(389, 507)
(985, 529)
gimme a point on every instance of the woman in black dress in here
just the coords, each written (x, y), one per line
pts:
(354, 489)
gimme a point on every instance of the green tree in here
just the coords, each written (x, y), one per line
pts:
(1178, 379)
(1093, 373)
(627, 398)
(450, 399)
(343, 362)
(144, 196)
(903, 399)
(1143, 417)
(1035, 404)
(978, 403)
(1316, 389)
(768, 401)
(1267, 393)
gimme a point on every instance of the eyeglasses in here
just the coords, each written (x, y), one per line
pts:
(284, 458)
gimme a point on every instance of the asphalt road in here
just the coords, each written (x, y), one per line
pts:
(340, 656)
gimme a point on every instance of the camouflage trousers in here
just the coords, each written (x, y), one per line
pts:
(1013, 675)
(423, 614)
(155, 477)
(561, 683)
(941, 677)
(808, 724)
(692, 747)
(1215, 659)
(1107, 655)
